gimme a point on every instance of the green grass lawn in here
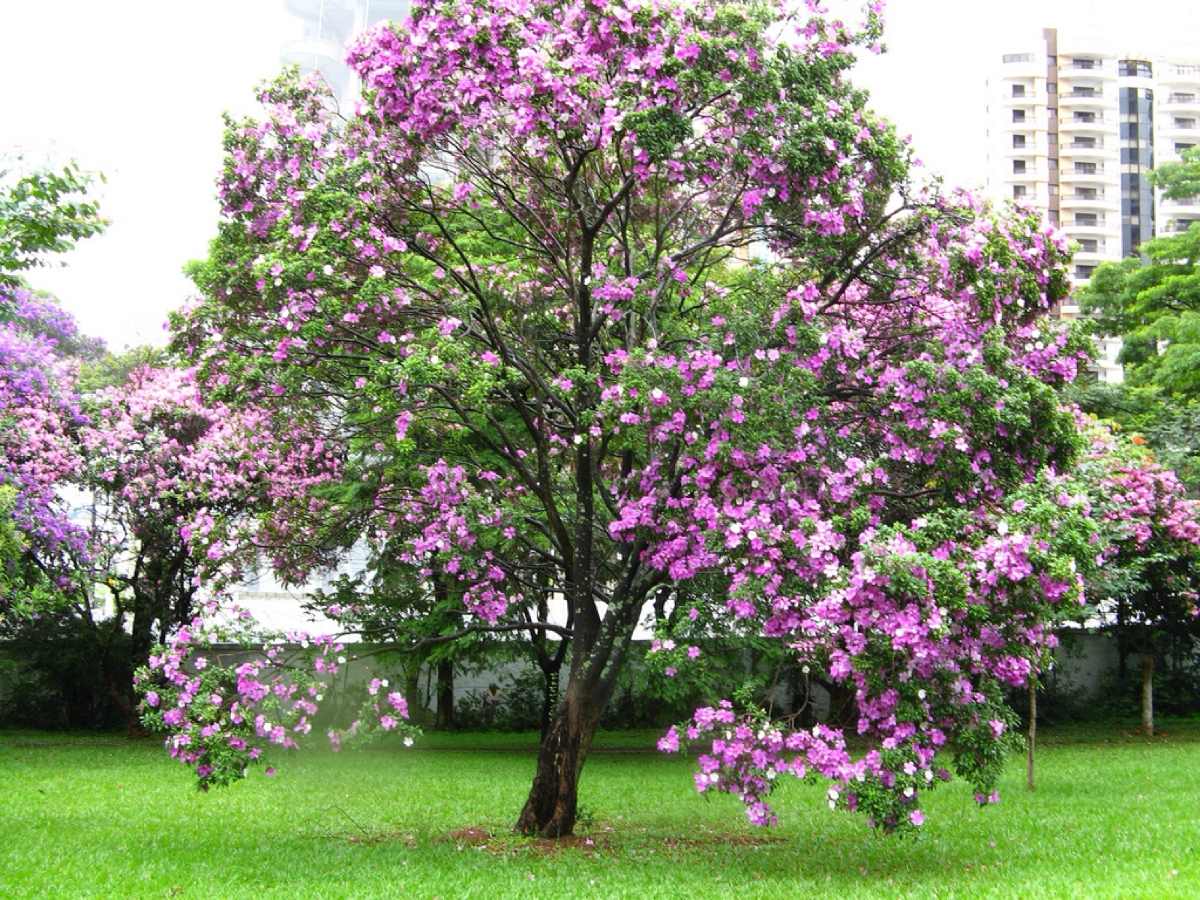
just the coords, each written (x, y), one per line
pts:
(1114, 815)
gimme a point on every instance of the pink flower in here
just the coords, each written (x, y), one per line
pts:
(398, 703)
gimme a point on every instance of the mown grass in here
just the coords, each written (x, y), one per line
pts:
(1114, 815)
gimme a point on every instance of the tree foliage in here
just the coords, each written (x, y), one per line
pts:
(43, 212)
(522, 295)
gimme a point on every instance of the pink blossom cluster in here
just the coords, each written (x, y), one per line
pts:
(221, 715)
(39, 415)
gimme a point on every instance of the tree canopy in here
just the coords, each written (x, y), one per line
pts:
(636, 306)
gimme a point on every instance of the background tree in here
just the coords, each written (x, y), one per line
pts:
(1149, 585)
(613, 408)
(1153, 303)
(43, 212)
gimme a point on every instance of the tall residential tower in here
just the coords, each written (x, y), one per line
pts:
(325, 29)
(1074, 129)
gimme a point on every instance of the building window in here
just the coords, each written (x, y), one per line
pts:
(1018, 57)
(1083, 63)
(1051, 87)
(1187, 124)
(1081, 90)
(1089, 245)
(1084, 142)
(1018, 115)
(1085, 168)
(1018, 140)
(1018, 167)
(1179, 148)
(1084, 271)
(1081, 116)
(1183, 98)
(1185, 224)
(1018, 90)
(1135, 68)
(1087, 219)
(1086, 193)
(1019, 191)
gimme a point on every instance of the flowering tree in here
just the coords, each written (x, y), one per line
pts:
(526, 284)
(39, 414)
(1150, 581)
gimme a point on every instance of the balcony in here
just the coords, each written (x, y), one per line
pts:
(1072, 152)
(1098, 100)
(1069, 77)
(1020, 70)
(1188, 134)
(1185, 76)
(1188, 208)
(1100, 229)
(1174, 107)
(1097, 127)
(1067, 174)
(1091, 257)
(1068, 202)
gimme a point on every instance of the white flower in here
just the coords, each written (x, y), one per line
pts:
(928, 775)
(341, 660)
(921, 694)
(908, 791)
(384, 683)
(328, 269)
(408, 742)
(833, 793)
(804, 669)
(743, 381)
(578, 439)
(714, 777)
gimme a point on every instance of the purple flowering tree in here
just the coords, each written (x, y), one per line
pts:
(636, 306)
(1148, 586)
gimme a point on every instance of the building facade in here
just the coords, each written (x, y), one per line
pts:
(323, 32)
(1075, 128)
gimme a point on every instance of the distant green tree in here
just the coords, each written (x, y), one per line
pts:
(45, 211)
(1179, 180)
(1153, 303)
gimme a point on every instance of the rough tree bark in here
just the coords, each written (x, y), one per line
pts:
(1031, 740)
(445, 694)
(1148, 692)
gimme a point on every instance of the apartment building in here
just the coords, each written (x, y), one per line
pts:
(1074, 129)
(323, 32)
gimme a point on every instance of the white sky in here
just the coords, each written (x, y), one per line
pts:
(136, 88)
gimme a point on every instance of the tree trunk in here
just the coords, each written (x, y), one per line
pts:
(549, 697)
(1122, 645)
(1148, 692)
(1032, 737)
(412, 690)
(445, 694)
(552, 805)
